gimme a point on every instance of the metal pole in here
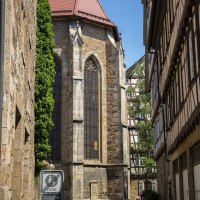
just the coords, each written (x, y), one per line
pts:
(2, 27)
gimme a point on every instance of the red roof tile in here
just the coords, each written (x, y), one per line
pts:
(89, 9)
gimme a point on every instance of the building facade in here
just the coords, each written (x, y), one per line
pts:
(135, 88)
(17, 62)
(172, 35)
(90, 140)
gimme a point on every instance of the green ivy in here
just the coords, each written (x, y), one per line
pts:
(45, 74)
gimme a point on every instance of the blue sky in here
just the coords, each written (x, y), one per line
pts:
(128, 16)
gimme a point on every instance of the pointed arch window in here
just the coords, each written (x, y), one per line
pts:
(55, 136)
(91, 108)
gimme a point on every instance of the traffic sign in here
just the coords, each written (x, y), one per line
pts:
(51, 184)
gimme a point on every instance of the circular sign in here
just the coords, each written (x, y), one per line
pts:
(51, 180)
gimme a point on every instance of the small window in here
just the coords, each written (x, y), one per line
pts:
(26, 136)
(17, 117)
(175, 166)
(180, 69)
(183, 161)
(196, 154)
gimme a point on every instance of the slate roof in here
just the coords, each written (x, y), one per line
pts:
(88, 9)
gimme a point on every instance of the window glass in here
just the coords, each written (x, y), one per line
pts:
(91, 110)
(55, 136)
(191, 58)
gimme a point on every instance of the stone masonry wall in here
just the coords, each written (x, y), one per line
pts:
(94, 39)
(115, 183)
(114, 129)
(97, 175)
(75, 43)
(63, 52)
(162, 176)
(17, 148)
(134, 190)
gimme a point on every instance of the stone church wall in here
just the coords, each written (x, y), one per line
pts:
(17, 148)
(75, 43)
(63, 51)
(98, 176)
(114, 128)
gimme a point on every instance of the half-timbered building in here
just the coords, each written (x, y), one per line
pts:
(134, 83)
(172, 40)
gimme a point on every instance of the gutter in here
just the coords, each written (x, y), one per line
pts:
(2, 27)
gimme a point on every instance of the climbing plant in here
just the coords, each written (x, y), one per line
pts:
(44, 78)
(140, 111)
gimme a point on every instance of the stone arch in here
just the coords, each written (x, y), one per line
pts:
(95, 58)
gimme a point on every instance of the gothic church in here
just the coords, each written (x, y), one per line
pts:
(90, 139)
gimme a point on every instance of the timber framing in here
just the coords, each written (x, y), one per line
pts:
(186, 130)
(173, 67)
(182, 32)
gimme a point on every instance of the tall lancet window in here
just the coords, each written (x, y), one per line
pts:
(91, 94)
(55, 136)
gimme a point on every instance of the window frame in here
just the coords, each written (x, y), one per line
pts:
(96, 145)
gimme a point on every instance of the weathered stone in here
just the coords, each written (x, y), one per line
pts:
(18, 100)
(106, 174)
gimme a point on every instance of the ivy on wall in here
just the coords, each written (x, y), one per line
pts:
(45, 73)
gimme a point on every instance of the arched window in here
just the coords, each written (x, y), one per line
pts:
(55, 136)
(91, 107)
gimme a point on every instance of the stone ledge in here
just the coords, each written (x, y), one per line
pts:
(78, 78)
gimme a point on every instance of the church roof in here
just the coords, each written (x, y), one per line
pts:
(88, 9)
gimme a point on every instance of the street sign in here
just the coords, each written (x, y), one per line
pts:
(51, 184)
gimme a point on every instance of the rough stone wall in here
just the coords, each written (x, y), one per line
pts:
(116, 183)
(97, 175)
(63, 51)
(114, 128)
(94, 39)
(74, 45)
(17, 148)
(162, 177)
(134, 189)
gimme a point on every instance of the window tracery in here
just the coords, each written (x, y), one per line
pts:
(91, 114)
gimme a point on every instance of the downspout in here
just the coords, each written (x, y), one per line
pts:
(2, 27)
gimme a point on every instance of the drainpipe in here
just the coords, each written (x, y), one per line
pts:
(2, 21)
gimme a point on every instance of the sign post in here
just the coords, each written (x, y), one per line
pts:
(51, 185)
